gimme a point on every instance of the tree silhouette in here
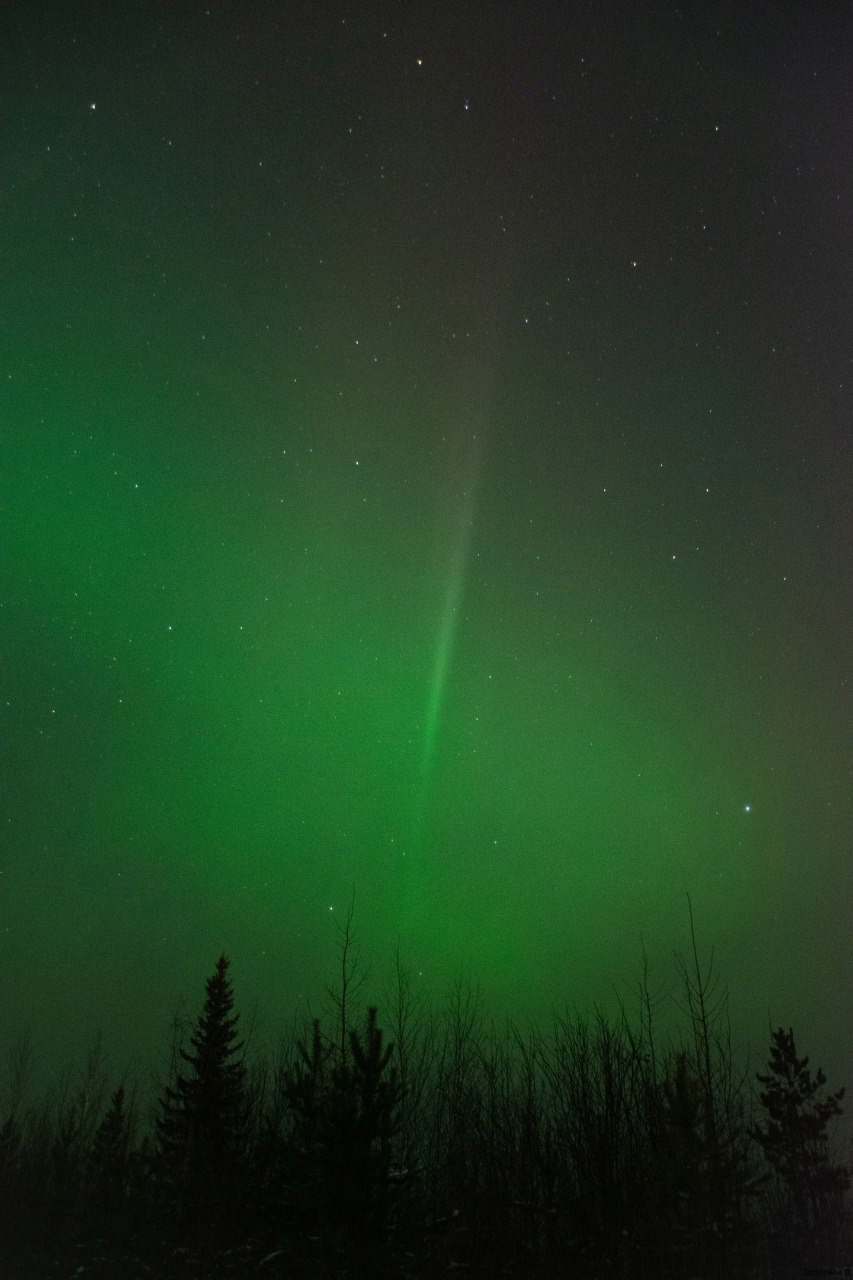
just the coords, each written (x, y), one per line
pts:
(377, 1092)
(201, 1117)
(344, 1103)
(306, 1089)
(108, 1166)
(10, 1159)
(794, 1138)
(590, 1149)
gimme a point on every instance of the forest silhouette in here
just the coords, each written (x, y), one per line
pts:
(427, 1142)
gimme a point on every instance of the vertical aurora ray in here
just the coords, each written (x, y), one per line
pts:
(443, 653)
(458, 565)
(445, 644)
(466, 470)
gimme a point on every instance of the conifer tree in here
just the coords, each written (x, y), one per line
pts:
(306, 1089)
(344, 1103)
(109, 1161)
(202, 1110)
(307, 1086)
(794, 1138)
(363, 1100)
(378, 1094)
(10, 1152)
(681, 1167)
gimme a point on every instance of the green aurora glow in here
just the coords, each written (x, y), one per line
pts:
(370, 521)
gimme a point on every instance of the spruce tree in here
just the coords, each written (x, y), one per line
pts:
(363, 1101)
(683, 1210)
(310, 1156)
(10, 1174)
(108, 1165)
(794, 1137)
(344, 1101)
(202, 1110)
(379, 1093)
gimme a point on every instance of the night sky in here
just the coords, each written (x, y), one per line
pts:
(423, 476)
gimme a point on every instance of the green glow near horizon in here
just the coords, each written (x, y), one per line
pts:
(370, 520)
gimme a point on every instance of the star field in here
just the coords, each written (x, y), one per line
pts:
(423, 475)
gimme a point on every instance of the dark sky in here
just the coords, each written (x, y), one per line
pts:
(423, 475)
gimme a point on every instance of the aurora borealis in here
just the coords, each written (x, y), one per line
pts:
(423, 474)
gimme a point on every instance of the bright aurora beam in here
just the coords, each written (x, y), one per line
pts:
(457, 576)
